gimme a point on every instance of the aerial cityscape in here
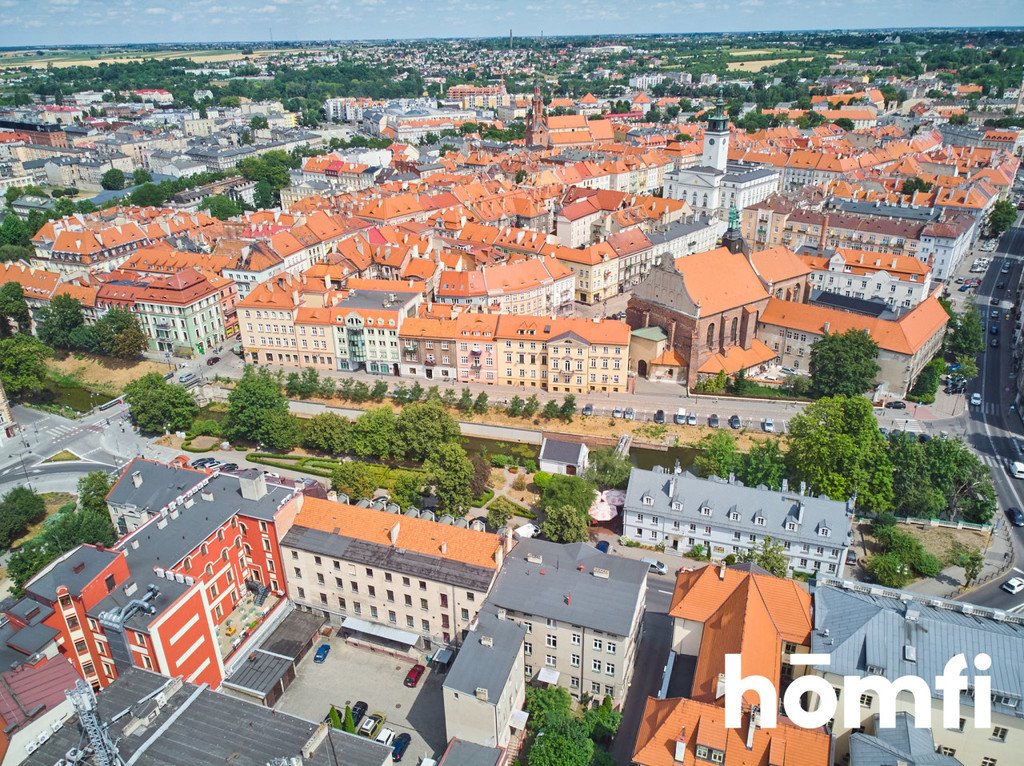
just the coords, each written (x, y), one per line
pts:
(560, 385)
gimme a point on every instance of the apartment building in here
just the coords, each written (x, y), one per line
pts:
(680, 510)
(905, 344)
(899, 281)
(183, 314)
(412, 583)
(581, 610)
(485, 689)
(428, 348)
(532, 286)
(596, 268)
(897, 634)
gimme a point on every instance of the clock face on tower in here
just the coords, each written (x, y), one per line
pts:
(711, 141)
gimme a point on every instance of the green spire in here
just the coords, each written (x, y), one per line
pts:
(734, 218)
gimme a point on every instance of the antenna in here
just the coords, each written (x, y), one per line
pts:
(83, 700)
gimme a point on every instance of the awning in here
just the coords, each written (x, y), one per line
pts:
(548, 676)
(443, 656)
(518, 719)
(380, 631)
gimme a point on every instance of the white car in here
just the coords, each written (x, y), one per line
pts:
(1014, 585)
(975, 400)
(769, 425)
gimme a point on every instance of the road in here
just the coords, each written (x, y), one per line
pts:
(993, 428)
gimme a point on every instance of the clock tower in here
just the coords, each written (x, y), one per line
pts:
(716, 140)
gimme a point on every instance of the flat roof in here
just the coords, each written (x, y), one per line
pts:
(482, 666)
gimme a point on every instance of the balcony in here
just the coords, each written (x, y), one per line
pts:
(411, 347)
(429, 361)
(475, 351)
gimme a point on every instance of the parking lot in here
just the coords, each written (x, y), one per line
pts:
(351, 674)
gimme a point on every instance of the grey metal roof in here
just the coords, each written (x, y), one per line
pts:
(563, 586)
(486, 667)
(676, 230)
(200, 726)
(260, 672)
(902, 744)
(294, 632)
(870, 625)
(567, 453)
(742, 172)
(135, 587)
(32, 638)
(407, 562)
(160, 484)
(889, 211)
(462, 753)
(683, 495)
(75, 570)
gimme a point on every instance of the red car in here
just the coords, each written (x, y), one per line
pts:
(415, 673)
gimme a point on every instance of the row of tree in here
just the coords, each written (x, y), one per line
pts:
(564, 737)
(835, 448)
(61, 325)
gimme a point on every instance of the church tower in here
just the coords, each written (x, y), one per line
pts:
(536, 128)
(716, 140)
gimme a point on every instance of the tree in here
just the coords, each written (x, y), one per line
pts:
(608, 469)
(565, 524)
(379, 391)
(927, 382)
(259, 122)
(889, 570)
(914, 185)
(844, 122)
(1002, 216)
(480, 404)
(603, 721)
(451, 474)
(141, 176)
(717, 454)
(327, 433)
(965, 335)
(498, 515)
(551, 410)
(568, 408)
(408, 489)
(281, 431)
(130, 341)
(14, 313)
(968, 367)
(843, 363)
(374, 434)
(354, 479)
(547, 706)
(531, 406)
(350, 723)
(420, 428)
(764, 464)
(113, 179)
(22, 364)
(59, 320)
(264, 195)
(481, 474)
(149, 195)
(770, 555)
(335, 718)
(221, 207)
(565, 743)
(836, 448)
(574, 491)
(465, 403)
(19, 508)
(515, 407)
(971, 559)
(92, 491)
(14, 231)
(254, 398)
(156, 405)
(964, 482)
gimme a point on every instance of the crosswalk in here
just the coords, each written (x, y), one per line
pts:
(995, 461)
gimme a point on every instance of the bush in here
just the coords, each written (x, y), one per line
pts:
(520, 483)
(541, 479)
(699, 553)
(204, 427)
(502, 461)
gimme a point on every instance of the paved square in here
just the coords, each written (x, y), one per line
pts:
(351, 674)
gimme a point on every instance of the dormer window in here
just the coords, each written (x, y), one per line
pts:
(647, 500)
(733, 516)
(705, 510)
(791, 526)
(759, 521)
(824, 531)
(676, 505)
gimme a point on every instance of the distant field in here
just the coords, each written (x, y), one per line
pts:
(757, 66)
(61, 59)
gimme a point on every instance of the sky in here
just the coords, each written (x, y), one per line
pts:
(61, 22)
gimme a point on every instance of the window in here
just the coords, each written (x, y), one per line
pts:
(576, 639)
(609, 668)
(943, 750)
(866, 700)
(527, 648)
(301, 592)
(323, 598)
(986, 761)
(551, 641)
(611, 647)
(999, 733)
(574, 682)
(595, 665)
(373, 612)
(595, 687)
(528, 670)
(598, 644)
(574, 660)
(73, 623)
(81, 647)
(550, 660)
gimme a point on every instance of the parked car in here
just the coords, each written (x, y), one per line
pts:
(629, 414)
(994, 314)
(372, 725)
(400, 745)
(187, 377)
(1006, 268)
(412, 678)
(1015, 516)
(994, 329)
(655, 566)
(680, 417)
(588, 409)
(321, 653)
(691, 419)
(385, 737)
(975, 400)
(994, 301)
(659, 417)
(851, 557)
(1000, 285)
(229, 467)
(769, 425)
(358, 711)
(994, 343)
(603, 546)
(713, 420)
(202, 462)
(1014, 585)
(734, 422)
(212, 361)
(617, 412)
(896, 405)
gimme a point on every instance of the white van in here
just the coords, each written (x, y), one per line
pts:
(1017, 470)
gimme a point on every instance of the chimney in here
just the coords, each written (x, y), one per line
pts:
(825, 327)
(752, 724)
(721, 572)
(444, 548)
(803, 488)
(823, 235)
(680, 752)
(487, 641)
(732, 477)
(785, 485)
(393, 534)
(207, 496)
(137, 478)
(254, 486)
